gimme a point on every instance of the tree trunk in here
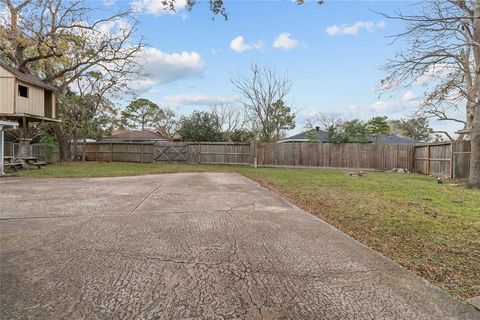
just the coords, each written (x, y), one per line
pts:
(62, 141)
(84, 148)
(74, 152)
(474, 177)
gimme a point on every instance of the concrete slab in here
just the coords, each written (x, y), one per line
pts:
(183, 246)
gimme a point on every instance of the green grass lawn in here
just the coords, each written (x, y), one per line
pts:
(433, 229)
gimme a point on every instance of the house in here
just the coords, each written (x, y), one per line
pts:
(322, 136)
(24, 95)
(26, 99)
(135, 136)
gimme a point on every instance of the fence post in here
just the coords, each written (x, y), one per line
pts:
(199, 152)
(413, 159)
(141, 157)
(427, 165)
(126, 153)
(253, 153)
(154, 151)
(398, 156)
(111, 152)
(452, 160)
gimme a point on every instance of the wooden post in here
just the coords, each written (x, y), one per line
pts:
(452, 160)
(398, 157)
(253, 153)
(427, 165)
(413, 157)
(111, 152)
(199, 152)
(154, 151)
(141, 156)
(126, 153)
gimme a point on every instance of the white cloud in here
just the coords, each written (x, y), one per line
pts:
(169, 67)
(285, 42)
(142, 85)
(108, 3)
(157, 7)
(384, 106)
(352, 107)
(195, 99)
(355, 28)
(437, 71)
(215, 51)
(238, 45)
(409, 96)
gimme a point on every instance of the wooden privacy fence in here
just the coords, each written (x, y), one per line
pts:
(441, 159)
(120, 152)
(348, 155)
(219, 153)
(204, 152)
(450, 159)
(355, 155)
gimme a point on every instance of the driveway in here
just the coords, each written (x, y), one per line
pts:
(189, 246)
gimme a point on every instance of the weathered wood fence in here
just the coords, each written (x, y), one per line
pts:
(438, 159)
(450, 159)
(348, 155)
(219, 153)
(204, 152)
(364, 156)
(120, 152)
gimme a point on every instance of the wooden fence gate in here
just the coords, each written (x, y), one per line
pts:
(170, 152)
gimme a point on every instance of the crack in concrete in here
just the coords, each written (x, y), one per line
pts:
(247, 283)
(252, 204)
(235, 246)
(148, 195)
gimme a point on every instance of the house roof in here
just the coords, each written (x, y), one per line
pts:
(394, 139)
(28, 78)
(135, 135)
(322, 136)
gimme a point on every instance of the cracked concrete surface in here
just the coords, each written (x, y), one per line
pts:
(188, 246)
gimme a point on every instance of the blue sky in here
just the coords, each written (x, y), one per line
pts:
(332, 53)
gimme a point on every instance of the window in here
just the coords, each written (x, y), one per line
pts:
(22, 91)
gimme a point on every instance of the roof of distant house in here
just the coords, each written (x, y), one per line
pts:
(29, 78)
(322, 136)
(135, 135)
(395, 139)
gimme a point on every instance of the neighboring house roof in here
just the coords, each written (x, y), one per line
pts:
(322, 136)
(31, 79)
(394, 139)
(135, 135)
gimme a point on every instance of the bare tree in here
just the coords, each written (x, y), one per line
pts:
(59, 40)
(168, 123)
(324, 121)
(94, 89)
(231, 117)
(263, 93)
(443, 54)
(216, 6)
(64, 41)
